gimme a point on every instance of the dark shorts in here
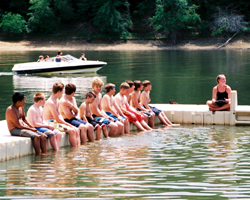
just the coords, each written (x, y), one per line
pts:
(220, 102)
(24, 133)
(47, 131)
(93, 121)
(75, 122)
(154, 109)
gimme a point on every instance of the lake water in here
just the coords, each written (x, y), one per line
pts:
(187, 162)
(187, 77)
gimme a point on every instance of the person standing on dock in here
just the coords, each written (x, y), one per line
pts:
(221, 95)
(19, 126)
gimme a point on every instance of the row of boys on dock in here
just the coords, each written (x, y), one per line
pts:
(95, 114)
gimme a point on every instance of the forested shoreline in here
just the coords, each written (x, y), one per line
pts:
(173, 20)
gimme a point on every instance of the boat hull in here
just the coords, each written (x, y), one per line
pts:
(60, 70)
(71, 65)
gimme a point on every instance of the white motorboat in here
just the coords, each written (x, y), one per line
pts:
(71, 65)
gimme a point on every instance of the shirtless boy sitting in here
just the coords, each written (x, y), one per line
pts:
(86, 115)
(135, 103)
(133, 115)
(19, 126)
(111, 109)
(35, 117)
(221, 95)
(99, 113)
(54, 118)
(69, 110)
(145, 99)
(131, 89)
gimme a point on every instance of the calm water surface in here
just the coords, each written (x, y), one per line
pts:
(188, 162)
(185, 76)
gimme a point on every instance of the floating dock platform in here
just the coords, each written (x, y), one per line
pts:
(13, 147)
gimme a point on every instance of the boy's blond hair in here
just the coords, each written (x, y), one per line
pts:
(38, 96)
(97, 82)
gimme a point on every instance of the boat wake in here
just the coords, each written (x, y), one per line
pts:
(6, 73)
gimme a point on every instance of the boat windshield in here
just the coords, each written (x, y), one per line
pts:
(66, 57)
(69, 58)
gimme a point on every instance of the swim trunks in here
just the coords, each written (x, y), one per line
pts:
(149, 114)
(102, 119)
(92, 121)
(47, 131)
(114, 117)
(75, 122)
(24, 133)
(130, 119)
(95, 123)
(154, 109)
(58, 126)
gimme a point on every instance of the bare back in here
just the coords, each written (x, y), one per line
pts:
(135, 99)
(96, 107)
(107, 102)
(35, 115)
(50, 110)
(144, 98)
(121, 101)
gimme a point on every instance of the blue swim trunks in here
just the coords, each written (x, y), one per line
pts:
(114, 117)
(154, 109)
(47, 131)
(149, 114)
(75, 122)
(103, 120)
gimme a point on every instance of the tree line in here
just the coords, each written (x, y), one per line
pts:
(170, 19)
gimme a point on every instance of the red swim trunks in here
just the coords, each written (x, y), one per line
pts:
(130, 119)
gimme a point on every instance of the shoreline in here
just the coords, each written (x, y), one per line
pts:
(119, 45)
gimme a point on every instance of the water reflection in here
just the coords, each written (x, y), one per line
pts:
(189, 162)
(31, 84)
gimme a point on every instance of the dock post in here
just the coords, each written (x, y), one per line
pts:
(234, 103)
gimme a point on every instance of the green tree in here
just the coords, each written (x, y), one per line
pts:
(64, 10)
(112, 18)
(174, 17)
(108, 17)
(42, 18)
(13, 23)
